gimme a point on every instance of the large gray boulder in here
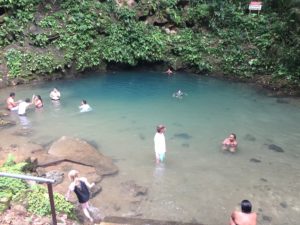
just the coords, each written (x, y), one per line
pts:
(76, 150)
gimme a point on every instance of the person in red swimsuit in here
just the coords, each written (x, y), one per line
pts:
(230, 143)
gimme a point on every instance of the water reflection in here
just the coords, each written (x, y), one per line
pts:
(56, 104)
(25, 122)
(159, 171)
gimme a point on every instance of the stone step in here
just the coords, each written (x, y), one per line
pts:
(111, 220)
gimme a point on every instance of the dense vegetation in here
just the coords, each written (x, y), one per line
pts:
(35, 197)
(39, 38)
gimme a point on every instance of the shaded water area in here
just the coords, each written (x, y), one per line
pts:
(198, 182)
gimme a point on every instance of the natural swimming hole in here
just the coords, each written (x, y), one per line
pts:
(198, 182)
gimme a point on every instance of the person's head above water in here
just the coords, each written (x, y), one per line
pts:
(246, 206)
(232, 136)
(38, 97)
(160, 128)
(84, 102)
(12, 94)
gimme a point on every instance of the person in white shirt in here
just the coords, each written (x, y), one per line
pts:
(160, 144)
(84, 107)
(55, 95)
(23, 106)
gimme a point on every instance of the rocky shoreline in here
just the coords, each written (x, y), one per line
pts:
(264, 83)
(55, 160)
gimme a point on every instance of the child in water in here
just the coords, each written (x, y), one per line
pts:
(81, 188)
(230, 143)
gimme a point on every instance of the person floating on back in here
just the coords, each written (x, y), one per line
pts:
(81, 188)
(55, 95)
(10, 102)
(245, 217)
(160, 144)
(84, 107)
(230, 143)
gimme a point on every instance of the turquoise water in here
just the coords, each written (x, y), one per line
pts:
(198, 181)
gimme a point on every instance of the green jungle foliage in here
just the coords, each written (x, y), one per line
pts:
(35, 196)
(41, 37)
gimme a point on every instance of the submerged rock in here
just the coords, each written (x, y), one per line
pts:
(134, 189)
(182, 135)
(249, 137)
(185, 145)
(2, 113)
(255, 160)
(275, 148)
(6, 123)
(282, 101)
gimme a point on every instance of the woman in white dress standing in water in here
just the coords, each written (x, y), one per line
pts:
(160, 144)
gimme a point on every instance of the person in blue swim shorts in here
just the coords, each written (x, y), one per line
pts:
(160, 144)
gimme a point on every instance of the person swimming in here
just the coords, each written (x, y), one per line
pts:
(10, 102)
(84, 107)
(179, 94)
(38, 102)
(230, 143)
(55, 95)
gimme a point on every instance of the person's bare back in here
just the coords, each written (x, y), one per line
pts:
(240, 218)
(245, 217)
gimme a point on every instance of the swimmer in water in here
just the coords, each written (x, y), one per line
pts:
(230, 143)
(55, 95)
(169, 71)
(10, 102)
(84, 107)
(179, 94)
(38, 102)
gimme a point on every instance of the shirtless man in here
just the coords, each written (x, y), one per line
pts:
(246, 217)
(10, 102)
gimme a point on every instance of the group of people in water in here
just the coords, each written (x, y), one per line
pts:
(80, 186)
(243, 217)
(21, 106)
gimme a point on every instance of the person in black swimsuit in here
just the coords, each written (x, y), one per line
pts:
(81, 188)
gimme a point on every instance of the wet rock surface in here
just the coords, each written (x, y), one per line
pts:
(275, 148)
(4, 123)
(255, 160)
(185, 136)
(249, 137)
(79, 151)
